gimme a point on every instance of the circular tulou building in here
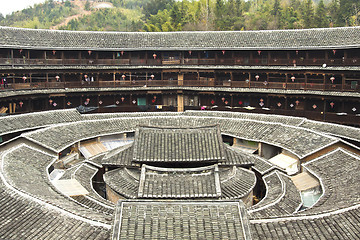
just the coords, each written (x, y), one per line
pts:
(180, 135)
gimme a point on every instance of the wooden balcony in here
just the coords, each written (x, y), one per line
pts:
(186, 83)
(184, 61)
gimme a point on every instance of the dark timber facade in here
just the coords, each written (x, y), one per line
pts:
(312, 73)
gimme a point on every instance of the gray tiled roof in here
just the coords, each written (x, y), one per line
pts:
(337, 130)
(23, 218)
(121, 157)
(160, 144)
(69, 172)
(300, 141)
(234, 157)
(84, 175)
(287, 120)
(238, 183)
(274, 190)
(34, 120)
(340, 226)
(202, 182)
(282, 200)
(123, 181)
(338, 172)
(262, 166)
(328, 38)
(25, 168)
(180, 220)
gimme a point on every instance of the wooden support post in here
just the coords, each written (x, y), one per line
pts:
(260, 151)
(12, 57)
(180, 102)
(180, 79)
(343, 79)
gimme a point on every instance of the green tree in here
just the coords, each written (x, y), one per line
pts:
(175, 14)
(333, 10)
(349, 12)
(219, 11)
(153, 6)
(239, 8)
(276, 8)
(321, 19)
(308, 14)
(87, 5)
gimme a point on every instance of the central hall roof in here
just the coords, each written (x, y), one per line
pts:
(299, 39)
(158, 182)
(161, 144)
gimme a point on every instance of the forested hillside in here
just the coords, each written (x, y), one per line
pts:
(185, 15)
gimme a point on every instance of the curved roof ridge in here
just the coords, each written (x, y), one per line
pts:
(164, 33)
(293, 39)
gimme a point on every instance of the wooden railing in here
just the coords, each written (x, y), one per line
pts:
(184, 61)
(185, 83)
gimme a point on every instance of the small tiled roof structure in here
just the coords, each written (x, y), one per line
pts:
(319, 38)
(280, 200)
(201, 182)
(234, 157)
(180, 220)
(339, 176)
(339, 225)
(123, 181)
(238, 183)
(171, 144)
(121, 157)
(84, 174)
